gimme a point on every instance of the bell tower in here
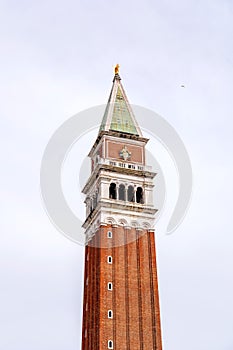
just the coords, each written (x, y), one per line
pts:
(121, 302)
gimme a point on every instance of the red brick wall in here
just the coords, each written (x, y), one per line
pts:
(113, 151)
(134, 298)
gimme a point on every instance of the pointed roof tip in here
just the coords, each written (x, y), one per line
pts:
(116, 77)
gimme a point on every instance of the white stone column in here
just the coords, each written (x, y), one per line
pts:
(117, 190)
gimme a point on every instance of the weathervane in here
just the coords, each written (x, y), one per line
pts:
(117, 68)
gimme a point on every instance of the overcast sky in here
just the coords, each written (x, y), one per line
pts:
(57, 59)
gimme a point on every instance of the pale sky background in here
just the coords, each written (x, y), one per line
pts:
(56, 60)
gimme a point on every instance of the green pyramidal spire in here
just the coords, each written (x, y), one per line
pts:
(118, 115)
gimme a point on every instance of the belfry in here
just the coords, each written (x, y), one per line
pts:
(121, 301)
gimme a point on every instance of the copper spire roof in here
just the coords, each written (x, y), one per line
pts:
(118, 115)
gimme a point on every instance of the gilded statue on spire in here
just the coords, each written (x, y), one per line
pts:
(117, 68)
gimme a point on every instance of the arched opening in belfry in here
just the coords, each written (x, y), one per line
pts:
(112, 191)
(130, 194)
(139, 195)
(122, 192)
